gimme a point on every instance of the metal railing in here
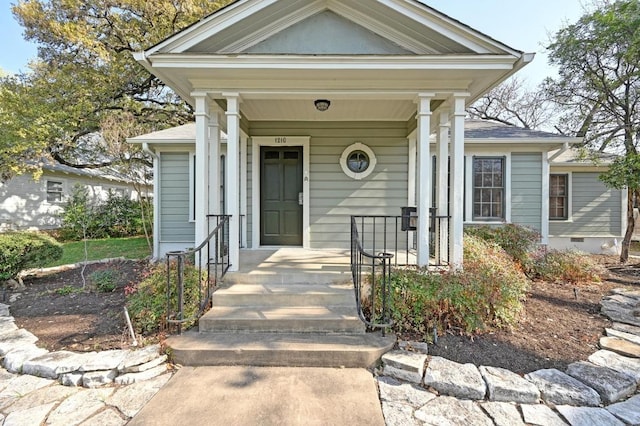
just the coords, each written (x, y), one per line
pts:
(373, 271)
(211, 258)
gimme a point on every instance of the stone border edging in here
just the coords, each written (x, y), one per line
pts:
(416, 388)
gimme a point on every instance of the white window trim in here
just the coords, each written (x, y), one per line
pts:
(569, 218)
(468, 201)
(257, 142)
(358, 146)
(64, 191)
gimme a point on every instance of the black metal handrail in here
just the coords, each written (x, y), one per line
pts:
(376, 271)
(214, 251)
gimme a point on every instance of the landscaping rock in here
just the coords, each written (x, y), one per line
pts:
(79, 407)
(15, 359)
(557, 387)
(32, 416)
(502, 413)
(53, 364)
(138, 357)
(622, 364)
(94, 379)
(629, 337)
(7, 324)
(419, 347)
(540, 415)
(610, 384)
(504, 385)
(588, 416)
(621, 308)
(398, 414)
(46, 395)
(12, 339)
(146, 366)
(454, 379)
(101, 361)
(627, 411)
(620, 346)
(392, 390)
(451, 411)
(20, 386)
(129, 378)
(4, 310)
(71, 379)
(130, 399)
(404, 365)
(627, 328)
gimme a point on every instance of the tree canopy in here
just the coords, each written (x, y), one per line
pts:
(85, 78)
(599, 89)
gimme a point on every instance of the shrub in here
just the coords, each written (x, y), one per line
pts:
(22, 250)
(568, 266)
(487, 293)
(147, 301)
(516, 240)
(105, 280)
(117, 216)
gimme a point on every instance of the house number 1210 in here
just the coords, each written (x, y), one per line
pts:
(281, 140)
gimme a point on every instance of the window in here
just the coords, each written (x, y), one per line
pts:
(488, 188)
(558, 197)
(54, 191)
(358, 161)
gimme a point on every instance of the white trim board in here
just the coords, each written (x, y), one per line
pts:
(258, 141)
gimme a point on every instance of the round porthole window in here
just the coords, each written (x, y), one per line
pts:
(358, 161)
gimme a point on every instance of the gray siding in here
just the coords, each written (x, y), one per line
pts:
(174, 198)
(334, 197)
(526, 189)
(595, 209)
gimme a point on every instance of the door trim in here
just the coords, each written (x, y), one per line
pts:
(256, 143)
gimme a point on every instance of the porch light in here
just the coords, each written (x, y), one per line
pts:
(322, 104)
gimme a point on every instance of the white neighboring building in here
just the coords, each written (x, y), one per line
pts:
(26, 203)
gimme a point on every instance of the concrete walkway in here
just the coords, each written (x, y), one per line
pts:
(265, 396)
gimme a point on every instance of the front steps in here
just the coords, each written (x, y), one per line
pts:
(271, 323)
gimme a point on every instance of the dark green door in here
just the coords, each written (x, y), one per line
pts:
(281, 196)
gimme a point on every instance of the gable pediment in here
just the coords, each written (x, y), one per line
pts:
(329, 27)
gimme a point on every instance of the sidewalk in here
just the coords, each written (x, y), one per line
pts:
(264, 396)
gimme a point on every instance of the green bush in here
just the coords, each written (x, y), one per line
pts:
(147, 301)
(517, 240)
(115, 217)
(105, 280)
(564, 265)
(23, 250)
(487, 293)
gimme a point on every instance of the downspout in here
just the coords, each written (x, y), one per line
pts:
(562, 150)
(156, 199)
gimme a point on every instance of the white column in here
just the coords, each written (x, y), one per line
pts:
(243, 187)
(214, 160)
(233, 177)
(202, 170)
(544, 215)
(442, 148)
(457, 181)
(424, 176)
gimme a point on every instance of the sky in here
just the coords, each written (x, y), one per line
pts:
(521, 24)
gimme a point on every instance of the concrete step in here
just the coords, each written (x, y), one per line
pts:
(284, 295)
(341, 275)
(279, 349)
(277, 319)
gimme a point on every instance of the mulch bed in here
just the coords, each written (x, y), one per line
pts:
(561, 323)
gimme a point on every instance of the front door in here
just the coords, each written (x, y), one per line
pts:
(281, 196)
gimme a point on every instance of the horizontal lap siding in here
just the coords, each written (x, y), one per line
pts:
(174, 195)
(526, 189)
(334, 197)
(595, 210)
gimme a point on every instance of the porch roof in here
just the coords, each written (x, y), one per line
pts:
(371, 58)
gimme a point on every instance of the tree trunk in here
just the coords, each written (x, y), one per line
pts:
(631, 223)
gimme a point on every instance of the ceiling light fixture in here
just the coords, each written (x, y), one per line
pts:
(322, 104)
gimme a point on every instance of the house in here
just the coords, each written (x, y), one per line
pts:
(28, 203)
(545, 185)
(328, 108)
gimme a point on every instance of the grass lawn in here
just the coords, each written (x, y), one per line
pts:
(129, 248)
